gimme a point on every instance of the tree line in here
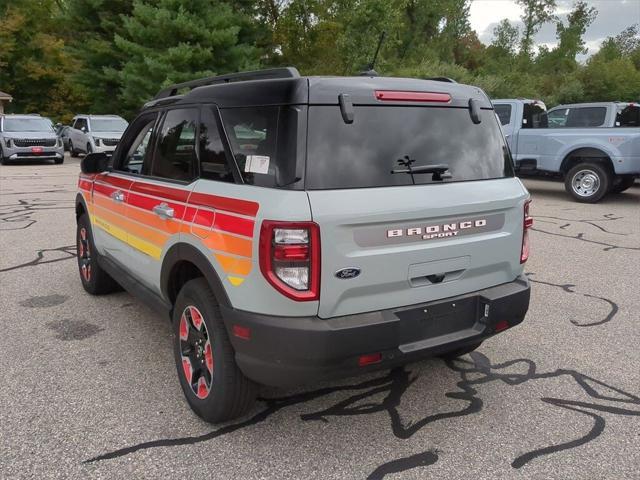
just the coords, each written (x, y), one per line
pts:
(60, 57)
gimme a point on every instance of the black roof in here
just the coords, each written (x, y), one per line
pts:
(287, 87)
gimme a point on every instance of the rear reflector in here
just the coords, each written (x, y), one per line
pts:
(399, 96)
(242, 332)
(501, 325)
(369, 359)
(527, 223)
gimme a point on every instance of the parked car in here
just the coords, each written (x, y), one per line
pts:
(95, 133)
(298, 229)
(63, 134)
(594, 161)
(29, 137)
(597, 114)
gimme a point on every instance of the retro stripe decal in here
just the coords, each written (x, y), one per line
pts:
(224, 225)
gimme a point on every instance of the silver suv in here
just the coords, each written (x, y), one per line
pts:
(298, 229)
(95, 133)
(28, 138)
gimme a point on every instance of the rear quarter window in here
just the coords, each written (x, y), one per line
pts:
(362, 154)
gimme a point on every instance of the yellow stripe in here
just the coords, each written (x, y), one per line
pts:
(235, 281)
(137, 243)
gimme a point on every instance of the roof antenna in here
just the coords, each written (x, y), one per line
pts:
(368, 69)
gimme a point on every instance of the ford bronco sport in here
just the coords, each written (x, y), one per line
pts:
(298, 229)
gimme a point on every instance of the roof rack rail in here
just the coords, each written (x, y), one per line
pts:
(271, 73)
(442, 79)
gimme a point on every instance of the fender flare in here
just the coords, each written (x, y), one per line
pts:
(80, 202)
(186, 252)
(566, 154)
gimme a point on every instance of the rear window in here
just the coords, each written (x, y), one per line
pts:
(628, 117)
(504, 113)
(362, 154)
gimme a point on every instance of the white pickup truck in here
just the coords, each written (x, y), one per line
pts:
(595, 147)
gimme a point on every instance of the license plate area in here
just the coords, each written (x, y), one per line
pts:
(439, 319)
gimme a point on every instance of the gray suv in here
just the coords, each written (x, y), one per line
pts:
(298, 229)
(95, 133)
(29, 138)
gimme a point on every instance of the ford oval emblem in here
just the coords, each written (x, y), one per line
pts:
(347, 273)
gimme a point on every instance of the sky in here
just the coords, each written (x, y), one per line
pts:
(613, 17)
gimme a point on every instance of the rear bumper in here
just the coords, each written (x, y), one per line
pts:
(289, 351)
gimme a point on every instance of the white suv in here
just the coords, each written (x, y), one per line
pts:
(95, 133)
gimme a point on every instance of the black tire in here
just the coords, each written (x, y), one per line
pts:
(458, 352)
(58, 161)
(94, 279)
(588, 182)
(3, 160)
(230, 394)
(89, 149)
(621, 183)
(72, 151)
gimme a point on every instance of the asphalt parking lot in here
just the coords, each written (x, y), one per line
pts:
(89, 387)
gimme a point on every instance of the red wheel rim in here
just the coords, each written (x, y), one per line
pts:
(196, 353)
(84, 254)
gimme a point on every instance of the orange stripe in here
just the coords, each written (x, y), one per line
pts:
(109, 204)
(157, 238)
(227, 243)
(152, 220)
(238, 266)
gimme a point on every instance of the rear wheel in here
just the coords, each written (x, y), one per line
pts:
(94, 279)
(622, 183)
(213, 384)
(458, 352)
(588, 182)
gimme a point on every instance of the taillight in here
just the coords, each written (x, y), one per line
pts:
(290, 258)
(526, 225)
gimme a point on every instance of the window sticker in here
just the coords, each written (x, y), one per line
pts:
(257, 164)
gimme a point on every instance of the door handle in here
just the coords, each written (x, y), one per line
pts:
(163, 211)
(118, 196)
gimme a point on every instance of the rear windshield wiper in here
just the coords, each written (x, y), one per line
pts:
(437, 170)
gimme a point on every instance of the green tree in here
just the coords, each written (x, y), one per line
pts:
(34, 65)
(171, 41)
(91, 28)
(536, 13)
(505, 37)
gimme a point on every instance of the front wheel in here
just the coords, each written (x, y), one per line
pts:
(588, 182)
(72, 151)
(3, 160)
(94, 279)
(212, 383)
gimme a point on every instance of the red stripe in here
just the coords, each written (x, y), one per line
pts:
(103, 189)
(189, 214)
(243, 207)
(229, 223)
(204, 218)
(174, 194)
(147, 203)
(120, 183)
(84, 185)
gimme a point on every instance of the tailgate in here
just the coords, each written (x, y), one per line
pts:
(417, 243)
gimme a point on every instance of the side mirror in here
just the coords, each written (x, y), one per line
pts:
(84, 129)
(94, 163)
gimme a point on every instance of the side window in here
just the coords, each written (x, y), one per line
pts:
(504, 113)
(80, 122)
(264, 141)
(586, 117)
(139, 136)
(175, 156)
(213, 160)
(558, 118)
(629, 116)
(534, 116)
